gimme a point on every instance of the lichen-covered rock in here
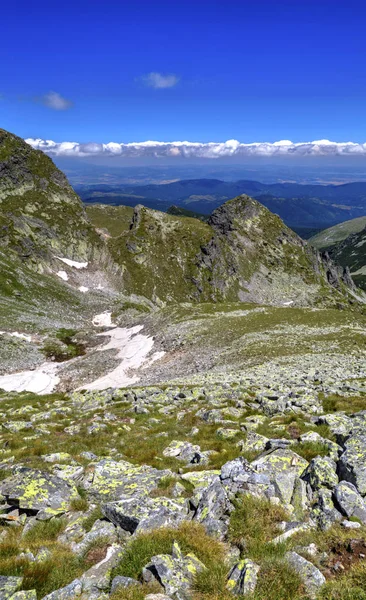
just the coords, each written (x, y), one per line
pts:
(238, 476)
(119, 582)
(323, 511)
(69, 592)
(24, 595)
(174, 572)
(282, 460)
(352, 463)
(143, 514)
(186, 452)
(254, 442)
(37, 490)
(212, 509)
(101, 530)
(242, 579)
(312, 578)
(9, 585)
(350, 501)
(321, 472)
(111, 480)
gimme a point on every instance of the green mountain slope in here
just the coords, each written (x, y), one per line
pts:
(40, 214)
(243, 253)
(338, 233)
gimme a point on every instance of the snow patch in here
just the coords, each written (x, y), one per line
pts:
(83, 289)
(288, 303)
(133, 350)
(23, 336)
(63, 275)
(40, 381)
(103, 320)
(73, 263)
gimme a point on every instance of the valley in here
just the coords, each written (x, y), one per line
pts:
(182, 398)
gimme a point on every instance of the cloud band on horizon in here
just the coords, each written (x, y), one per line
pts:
(209, 150)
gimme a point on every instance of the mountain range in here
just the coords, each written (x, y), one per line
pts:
(182, 400)
(300, 206)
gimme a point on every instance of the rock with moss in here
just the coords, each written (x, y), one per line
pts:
(110, 480)
(9, 585)
(310, 575)
(175, 572)
(101, 531)
(323, 511)
(186, 452)
(352, 463)
(24, 595)
(350, 501)
(139, 513)
(242, 579)
(30, 489)
(321, 472)
(213, 509)
(254, 442)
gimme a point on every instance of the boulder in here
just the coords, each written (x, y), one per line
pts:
(112, 479)
(242, 579)
(321, 472)
(312, 578)
(144, 514)
(352, 463)
(9, 585)
(31, 489)
(174, 572)
(350, 501)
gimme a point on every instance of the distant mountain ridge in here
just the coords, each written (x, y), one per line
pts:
(311, 206)
(346, 244)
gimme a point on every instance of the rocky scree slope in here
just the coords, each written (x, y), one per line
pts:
(249, 489)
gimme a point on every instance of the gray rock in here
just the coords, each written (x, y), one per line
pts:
(100, 530)
(352, 463)
(24, 595)
(350, 501)
(9, 585)
(98, 578)
(121, 582)
(174, 572)
(312, 578)
(31, 489)
(321, 472)
(186, 452)
(242, 579)
(69, 592)
(112, 479)
(323, 511)
(143, 514)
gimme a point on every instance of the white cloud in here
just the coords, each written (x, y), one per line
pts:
(160, 81)
(200, 150)
(55, 101)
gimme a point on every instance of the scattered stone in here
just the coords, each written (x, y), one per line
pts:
(312, 578)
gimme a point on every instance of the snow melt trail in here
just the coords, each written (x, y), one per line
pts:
(133, 349)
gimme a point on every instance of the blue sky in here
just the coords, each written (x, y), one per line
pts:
(259, 71)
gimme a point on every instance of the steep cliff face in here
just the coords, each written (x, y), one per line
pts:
(40, 214)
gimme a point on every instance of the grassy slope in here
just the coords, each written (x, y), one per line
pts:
(338, 233)
(114, 219)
